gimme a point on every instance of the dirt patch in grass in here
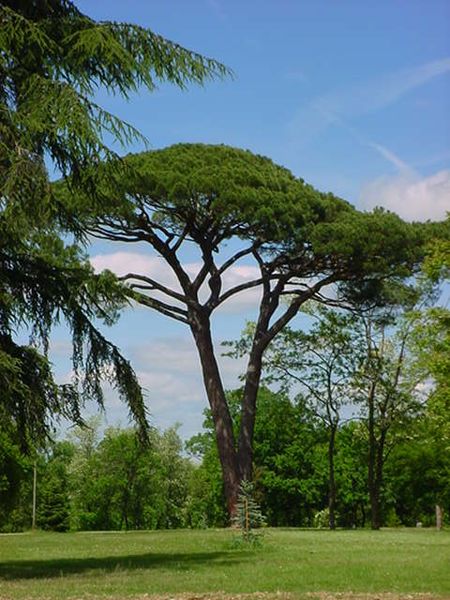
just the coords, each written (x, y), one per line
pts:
(269, 596)
(378, 596)
(288, 596)
(262, 596)
(285, 596)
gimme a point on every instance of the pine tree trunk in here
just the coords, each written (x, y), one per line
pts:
(374, 497)
(248, 416)
(223, 423)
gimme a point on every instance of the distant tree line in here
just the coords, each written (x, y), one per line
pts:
(114, 483)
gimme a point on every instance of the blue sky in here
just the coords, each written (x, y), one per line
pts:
(353, 96)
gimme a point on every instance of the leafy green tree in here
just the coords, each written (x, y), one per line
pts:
(53, 500)
(53, 58)
(15, 470)
(104, 482)
(431, 339)
(207, 506)
(289, 459)
(119, 457)
(89, 504)
(387, 388)
(436, 265)
(301, 242)
(431, 347)
(418, 473)
(205, 503)
(118, 483)
(352, 501)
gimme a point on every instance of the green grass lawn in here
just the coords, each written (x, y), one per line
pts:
(85, 565)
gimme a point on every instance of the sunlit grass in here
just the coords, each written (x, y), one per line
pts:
(46, 565)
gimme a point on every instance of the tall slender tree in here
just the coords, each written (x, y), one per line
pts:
(387, 387)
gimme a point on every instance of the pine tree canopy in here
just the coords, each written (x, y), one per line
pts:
(209, 194)
(53, 59)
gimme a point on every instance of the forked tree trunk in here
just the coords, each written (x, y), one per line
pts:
(236, 456)
(236, 459)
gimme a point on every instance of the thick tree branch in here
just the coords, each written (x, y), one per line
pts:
(151, 284)
(166, 309)
(231, 261)
(238, 288)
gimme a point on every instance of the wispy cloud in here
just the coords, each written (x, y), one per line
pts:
(361, 98)
(407, 192)
(217, 8)
(377, 93)
(386, 153)
(390, 157)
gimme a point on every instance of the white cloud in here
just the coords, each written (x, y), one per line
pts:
(122, 263)
(413, 197)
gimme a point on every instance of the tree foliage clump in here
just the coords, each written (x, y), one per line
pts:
(53, 59)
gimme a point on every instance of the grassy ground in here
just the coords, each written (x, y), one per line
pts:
(119, 565)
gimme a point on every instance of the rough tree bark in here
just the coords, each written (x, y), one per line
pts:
(223, 423)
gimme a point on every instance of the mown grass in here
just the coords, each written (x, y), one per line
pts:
(81, 565)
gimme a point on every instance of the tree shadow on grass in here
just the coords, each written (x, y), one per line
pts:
(37, 569)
